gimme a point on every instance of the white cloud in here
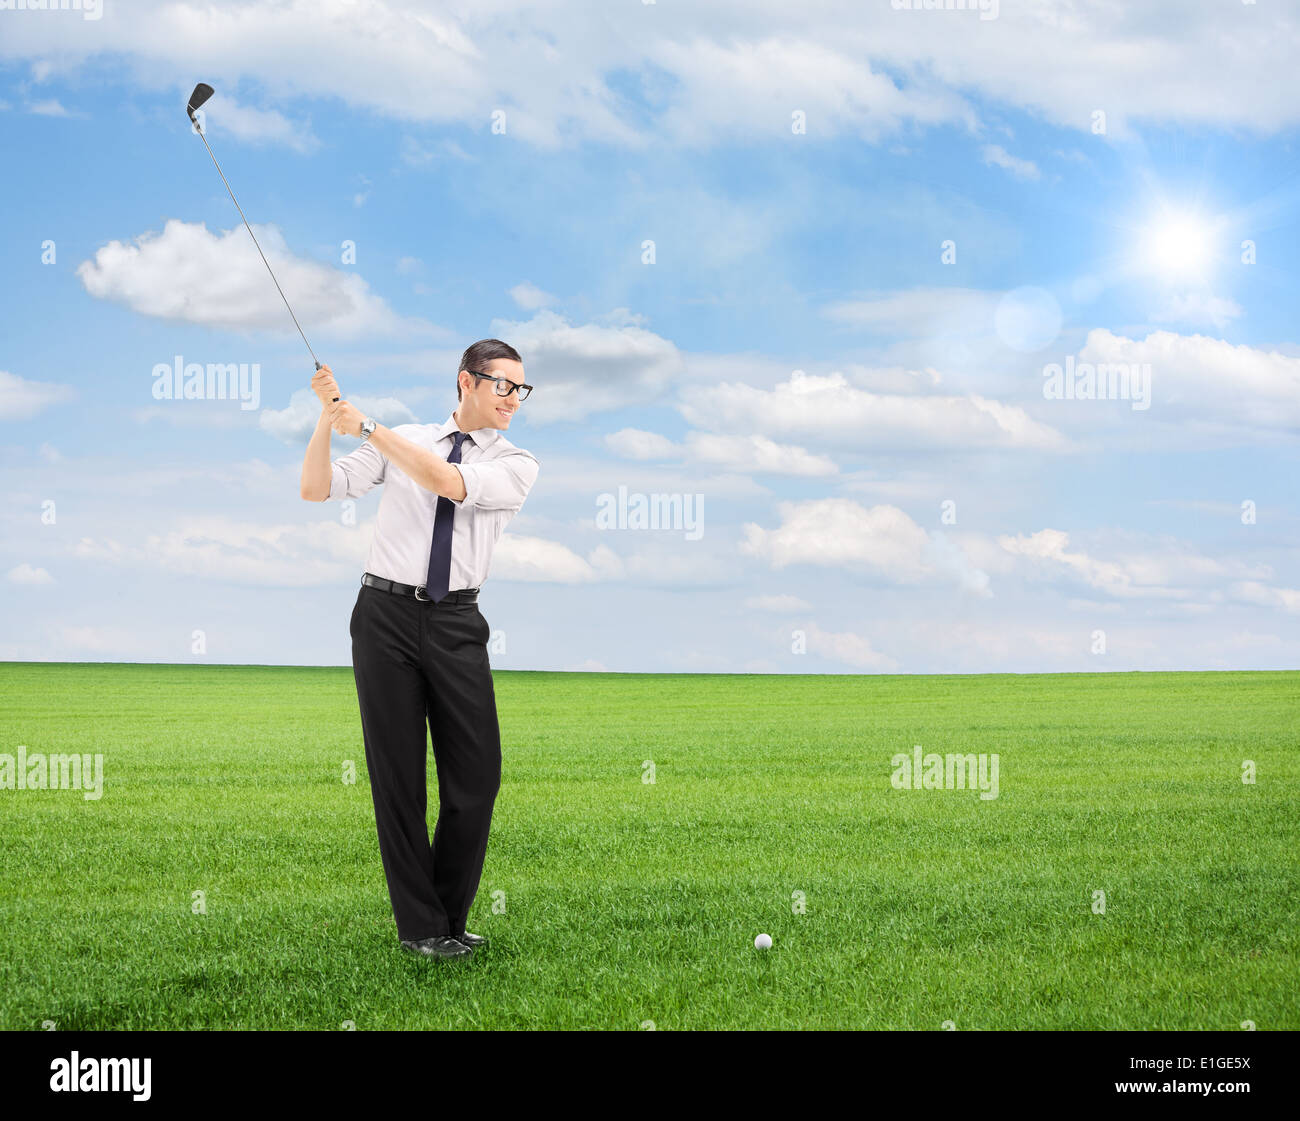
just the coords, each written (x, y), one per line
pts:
(48, 108)
(997, 156)
(1209, 379)
(219, 280)
(1197, 307)
(590, 368)
(219, 549)
(26, 574)
(636, 443)
(99, 640)
(537, 560)
(295, 423)
(862, 71)
(852, 649)
(882, 539)
(256, 126)
(919, 312)
(1285, 599)
(415, 154)
(749, 454)
(1163, 569)
(529, 297)
(830, 412)
(20, 398)
(756, 454)
(780, 604)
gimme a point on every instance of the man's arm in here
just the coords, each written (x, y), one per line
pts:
(429, 470)
(316, 471)
(351, 475)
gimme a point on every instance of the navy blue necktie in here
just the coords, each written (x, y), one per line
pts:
(436, 586)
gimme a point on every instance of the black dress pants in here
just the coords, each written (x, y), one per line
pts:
(419, 663)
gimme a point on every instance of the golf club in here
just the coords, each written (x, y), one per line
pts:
(201, 93)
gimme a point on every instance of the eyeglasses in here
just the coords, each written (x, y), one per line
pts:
(504, 386)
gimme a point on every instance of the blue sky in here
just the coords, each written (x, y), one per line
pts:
(799, 353)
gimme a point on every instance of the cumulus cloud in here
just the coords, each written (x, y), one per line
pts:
(28, 574)
(1284, 599)
(842, 646)
(636, 443)
(21, 399)
(591, 368)
(295, 423)
(918, 312)
(704, 79)
(780, 603)
(50, 107)
(223, 113)
(1163, 569)
(751, 454)
(882, 540)
(756, 454)
(218, 280)
(996, 156)
(828, 410)
(1209, 379)
(537, 560)
(530, 297)
(221, 549)
(1197, 307)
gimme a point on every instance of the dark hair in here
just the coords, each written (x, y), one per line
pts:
(480, 354)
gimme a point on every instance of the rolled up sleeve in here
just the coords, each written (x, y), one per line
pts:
(353, 474)
(498, 484)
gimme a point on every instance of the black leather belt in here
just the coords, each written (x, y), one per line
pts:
(464, 595)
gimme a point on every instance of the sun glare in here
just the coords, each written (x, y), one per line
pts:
(1177, 246)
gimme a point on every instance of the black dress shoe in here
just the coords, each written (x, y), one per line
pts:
(473, 941)
(439, 946)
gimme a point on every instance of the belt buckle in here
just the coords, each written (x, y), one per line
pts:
(419, 594)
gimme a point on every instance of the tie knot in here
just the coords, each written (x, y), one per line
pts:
(460, 438)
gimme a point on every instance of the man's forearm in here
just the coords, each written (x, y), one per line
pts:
(316, 471)
(427, 469)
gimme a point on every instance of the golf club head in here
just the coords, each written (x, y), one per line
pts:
(201, 93)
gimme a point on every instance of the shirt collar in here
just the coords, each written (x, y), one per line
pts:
(482, 437)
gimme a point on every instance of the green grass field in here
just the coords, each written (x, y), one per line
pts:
(627, 902)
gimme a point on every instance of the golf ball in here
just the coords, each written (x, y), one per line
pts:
(763, 942)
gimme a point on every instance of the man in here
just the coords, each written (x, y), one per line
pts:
(419, 641)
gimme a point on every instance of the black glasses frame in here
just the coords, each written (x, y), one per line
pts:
(523, 390)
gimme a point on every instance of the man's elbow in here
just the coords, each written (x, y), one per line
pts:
(310, 495)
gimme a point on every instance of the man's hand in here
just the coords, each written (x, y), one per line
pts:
(345, 418)
(325, 387)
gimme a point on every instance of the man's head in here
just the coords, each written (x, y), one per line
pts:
(481, 404)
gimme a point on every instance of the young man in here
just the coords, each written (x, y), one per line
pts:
(419, 641)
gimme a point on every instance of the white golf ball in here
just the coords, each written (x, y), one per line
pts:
(763, 942)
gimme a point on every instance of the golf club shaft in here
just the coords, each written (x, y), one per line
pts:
(259, 247)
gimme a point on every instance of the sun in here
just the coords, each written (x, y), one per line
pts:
(1177, 245)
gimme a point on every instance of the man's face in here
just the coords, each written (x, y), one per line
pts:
(481, 407)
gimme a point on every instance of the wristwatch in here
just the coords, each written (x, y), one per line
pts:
(368, 427)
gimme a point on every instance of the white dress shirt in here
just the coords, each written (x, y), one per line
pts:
(498, 477)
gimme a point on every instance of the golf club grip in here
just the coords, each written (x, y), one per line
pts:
(318, 367)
